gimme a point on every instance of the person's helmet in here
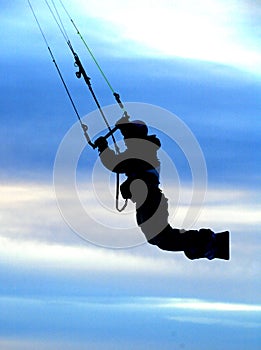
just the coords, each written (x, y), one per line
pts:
(135, 129)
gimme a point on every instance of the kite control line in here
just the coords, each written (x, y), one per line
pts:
(82, 73)
(84, 126)
(115, 94)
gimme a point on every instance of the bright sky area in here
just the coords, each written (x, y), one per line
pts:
(199, 60)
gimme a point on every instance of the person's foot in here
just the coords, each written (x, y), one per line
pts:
(222, 250)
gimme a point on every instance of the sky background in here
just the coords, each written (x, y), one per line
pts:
(201, 61)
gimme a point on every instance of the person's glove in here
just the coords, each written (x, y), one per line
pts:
(101, 143)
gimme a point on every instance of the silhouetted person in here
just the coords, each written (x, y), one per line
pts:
(141, 166)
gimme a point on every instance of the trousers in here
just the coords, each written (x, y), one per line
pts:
(152, 218)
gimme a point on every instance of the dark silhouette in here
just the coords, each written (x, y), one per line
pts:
(141, 166)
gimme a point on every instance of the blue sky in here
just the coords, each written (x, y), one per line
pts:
(199, 60)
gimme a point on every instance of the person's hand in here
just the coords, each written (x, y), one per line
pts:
(101, 143)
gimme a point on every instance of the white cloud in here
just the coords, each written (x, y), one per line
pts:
(32, 231)
(208, 30)
(26, 343)
(64, 342)
(223, 209)
(202, 305)
(29, 211)
(82, 258)
(216, 321)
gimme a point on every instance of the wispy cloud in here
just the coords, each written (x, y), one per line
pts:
(104, 322)
(215, 31)
(215, 321)
(203, 305)
(33, 232)
(31, 209)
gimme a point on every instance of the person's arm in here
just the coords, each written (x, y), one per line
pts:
(109, 159)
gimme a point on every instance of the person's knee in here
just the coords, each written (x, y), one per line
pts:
(167, 239)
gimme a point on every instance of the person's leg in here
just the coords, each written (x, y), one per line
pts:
(196, 244)
(152, 217)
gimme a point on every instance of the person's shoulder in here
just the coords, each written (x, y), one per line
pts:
(154, 139)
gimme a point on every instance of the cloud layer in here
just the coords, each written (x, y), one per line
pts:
(154, 321)
(201, 60)
(34, 234)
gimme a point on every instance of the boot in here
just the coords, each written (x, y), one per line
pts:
(210, 245)
(221, 245)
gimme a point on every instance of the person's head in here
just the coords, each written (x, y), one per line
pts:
(134, 129)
